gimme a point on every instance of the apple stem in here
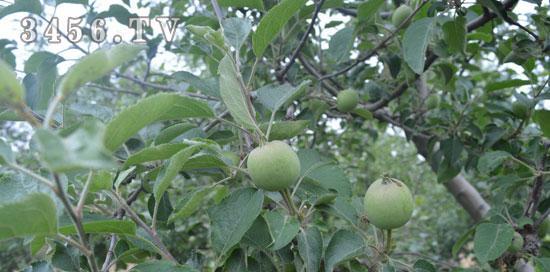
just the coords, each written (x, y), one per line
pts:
(290, 204)
(388, 241)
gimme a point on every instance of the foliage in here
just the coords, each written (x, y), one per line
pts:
(119, 164)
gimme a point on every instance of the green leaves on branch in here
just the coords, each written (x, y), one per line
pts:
(97, 65)
(272, 23)
(11, 91)
(491, 161)
(161, 266)
(82, 149)
(283, 228)
(160, 107)
(343, 245)
(367, 10)
(233, 94)
(542, 117)
(274, 97)
(236, 31)
(492, 240)
(102, 226)
(171, 170)
(454, 33)
(233, 217)
(310, 247)
(415, 42)
(33, 215)
(283, 130)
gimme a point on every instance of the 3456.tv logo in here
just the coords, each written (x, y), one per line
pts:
(74, 31)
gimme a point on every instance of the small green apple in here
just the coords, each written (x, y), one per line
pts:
(347, 100)
(273, 166)
(517, 243)
(400, 14)
(388, 203)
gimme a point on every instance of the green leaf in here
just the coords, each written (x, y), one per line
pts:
(491, 240)
(162, 266)
(40, 87)
(233, 94)
(542, 117)
(11, 91)
(171, 171)
(367, 9)
(343, 208)
(160, 107)
(326, 174)
(190, 203)
(543, 264)
(102, 226)
(233, 217)
(423, 266)
(6, 154)
(271, 24)
(82, 149)
(30, 6)
(491, 160)
(275, 96)
(204, 161)
(101, 180)
(236, 31)
(505, 84)
(496, 7)
(258, 234)
(415, 42)
(340, 44)
(283, 228)
(343, 245)
(32, 64)
(283, 130)
(454, 33)
(257, 4)
(155, 153)
(461, 241)
(33, 215)
(208, 86)
(96, 65)
(310, 247)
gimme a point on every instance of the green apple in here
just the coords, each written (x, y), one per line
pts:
(400, 14)
(517, 243)
(388, 203)
(347, 100)
(273, 166)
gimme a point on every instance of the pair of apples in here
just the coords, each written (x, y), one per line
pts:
(275, 167)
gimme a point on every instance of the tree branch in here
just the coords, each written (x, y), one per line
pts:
(318, 6)
(77, 221)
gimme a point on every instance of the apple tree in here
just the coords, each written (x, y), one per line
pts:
(276, 135)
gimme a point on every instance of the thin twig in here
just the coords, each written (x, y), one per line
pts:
(77, 221)
(318, 6)
(83, 195)
(155, 239)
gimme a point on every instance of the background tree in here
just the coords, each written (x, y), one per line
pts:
(119, 163)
